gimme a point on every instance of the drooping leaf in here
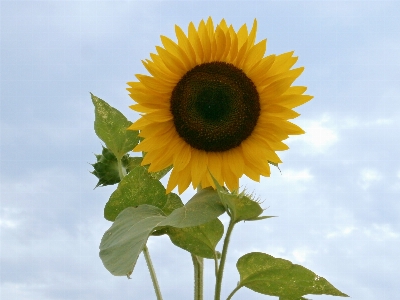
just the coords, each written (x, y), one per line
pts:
(199, 240)
(111, 126)
(204, 207)
(122, 243)
(136, 188)
(272, 276)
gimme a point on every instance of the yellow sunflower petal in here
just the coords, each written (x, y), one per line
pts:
(184, 42)
(196, 43)
(205, 41)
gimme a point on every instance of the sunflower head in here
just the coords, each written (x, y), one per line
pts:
(214, 103)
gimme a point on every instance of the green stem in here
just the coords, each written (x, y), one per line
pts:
(152, 272)
(198, 264)
(218, 284)
(233, 292)
(121, 169)
(216, 264)
(122, 174)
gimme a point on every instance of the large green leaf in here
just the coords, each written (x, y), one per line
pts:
(136, 188)
(199, 240)
(111, 126)
(204, 207)
(272, 276)
(122, 243)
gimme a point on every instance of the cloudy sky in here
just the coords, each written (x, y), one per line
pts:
(337, 197)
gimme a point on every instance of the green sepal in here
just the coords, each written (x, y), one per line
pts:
(136, 188)
(111, 126)
(106, 167)
(239, 205)
(199, 240)
(278, 277)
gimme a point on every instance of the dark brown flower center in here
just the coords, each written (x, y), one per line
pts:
(215, 107)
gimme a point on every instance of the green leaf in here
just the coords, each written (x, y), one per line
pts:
(173, 202)
(111, 126)
(199, 240)
(240, 206)
(204, 207)
(272, 276)
(136, 161)
(136, 188)
(122, 243)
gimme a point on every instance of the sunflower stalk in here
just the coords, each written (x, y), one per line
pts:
(198, 265)
(220, 273)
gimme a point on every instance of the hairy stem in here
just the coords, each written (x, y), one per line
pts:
(220, 274)
(152, 272)
(198, 264)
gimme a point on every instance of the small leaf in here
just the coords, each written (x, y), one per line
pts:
(272, 276)
(204, 207)
(136, 188)
(111, 126)
(122, 243)
(199, 240)
(240, 206)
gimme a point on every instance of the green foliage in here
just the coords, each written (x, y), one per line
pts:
(199, 240)
(239, 206)
(272, 276)
(122, 243)
(111, 126)
(136, 188)
(136, 161)
(106, 168)
(204, 207)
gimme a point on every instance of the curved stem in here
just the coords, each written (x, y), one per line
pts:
(218, 284)
(198, 264)
(152, 272)
(233, 292)
(216, 264)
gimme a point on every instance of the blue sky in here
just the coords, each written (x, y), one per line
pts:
(337, 197)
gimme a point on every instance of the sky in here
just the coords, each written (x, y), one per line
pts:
(336, 197)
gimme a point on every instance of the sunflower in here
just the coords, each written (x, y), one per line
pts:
(214, 104)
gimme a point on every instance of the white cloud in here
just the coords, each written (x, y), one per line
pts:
(294, 175)
(375, 232)
(301, 254)
(380, 232)
(320, 135)
(368, 177)
(342, 232)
